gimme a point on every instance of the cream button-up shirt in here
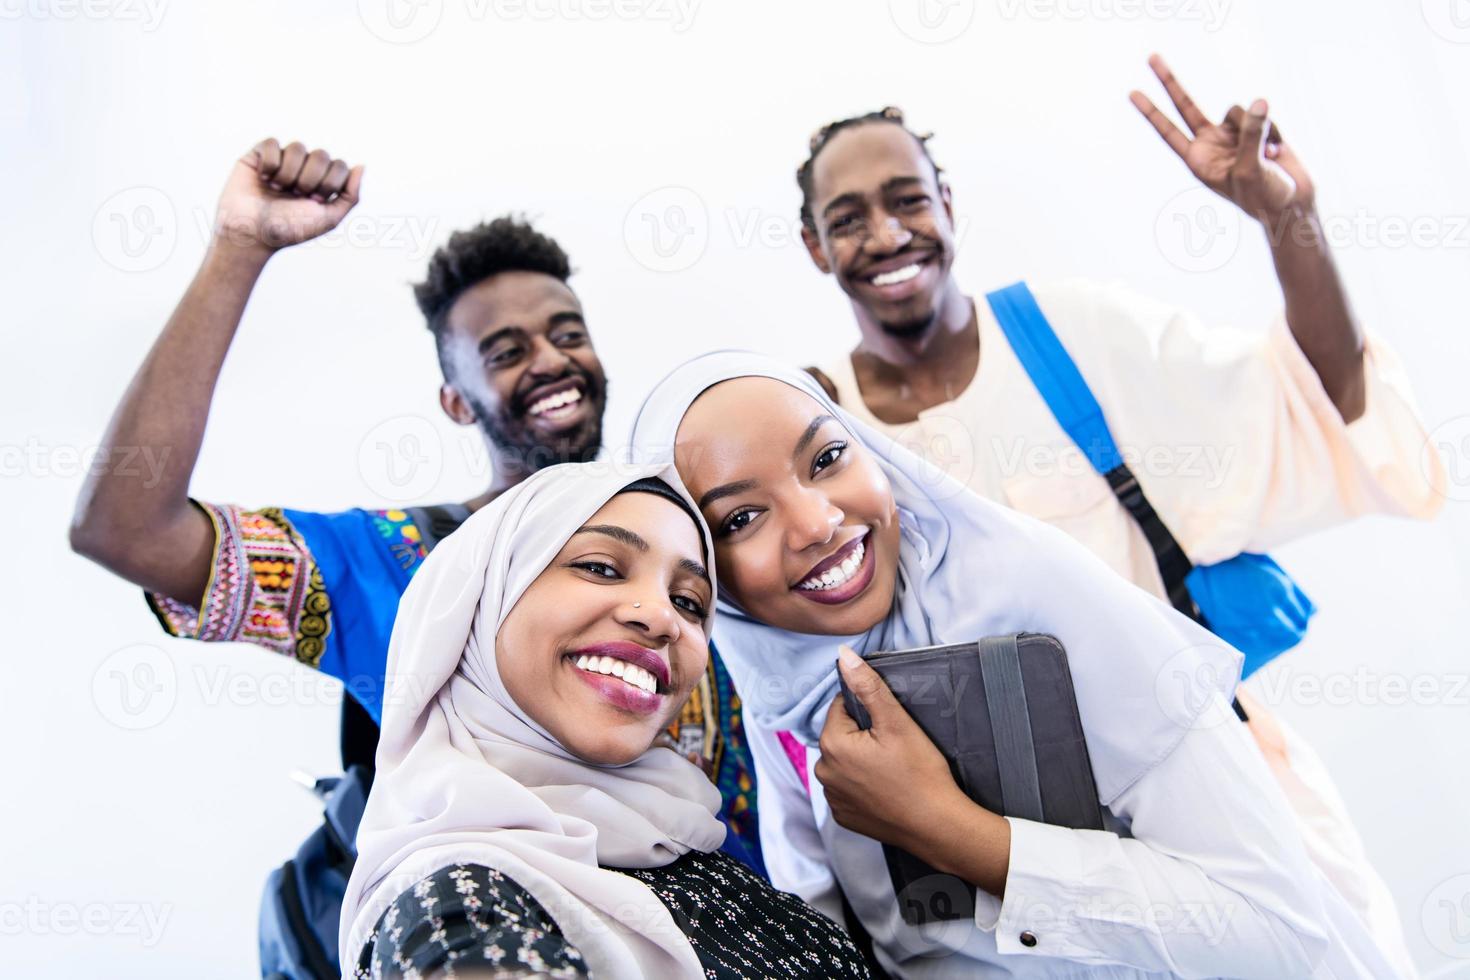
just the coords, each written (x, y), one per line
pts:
(1229, 432)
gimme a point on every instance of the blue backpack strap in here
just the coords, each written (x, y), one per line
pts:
(1055, 375)
(1076, 410)
(1251, 601)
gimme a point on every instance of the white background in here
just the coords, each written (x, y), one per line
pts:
(120, 123)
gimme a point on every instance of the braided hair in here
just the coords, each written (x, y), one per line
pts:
(888, 114)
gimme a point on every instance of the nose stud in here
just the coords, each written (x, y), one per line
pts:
(637, 605)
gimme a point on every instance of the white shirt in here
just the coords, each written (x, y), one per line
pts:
(1200, 874)
(1239, 448)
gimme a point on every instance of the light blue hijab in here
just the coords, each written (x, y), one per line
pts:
(969, 568)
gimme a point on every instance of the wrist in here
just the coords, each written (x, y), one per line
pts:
(1295, 227)
(958, 836)
(237, 252)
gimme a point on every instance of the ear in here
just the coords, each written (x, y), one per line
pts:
(814, 249)
(825, 382)
(455, 405)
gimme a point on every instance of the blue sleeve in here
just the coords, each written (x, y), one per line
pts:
(365, 561)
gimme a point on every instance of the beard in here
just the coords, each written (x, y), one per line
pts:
(909, 329)
(516, 443)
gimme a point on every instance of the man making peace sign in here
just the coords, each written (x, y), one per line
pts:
(1230, 442)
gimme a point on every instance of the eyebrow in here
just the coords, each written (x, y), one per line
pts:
(893, 183)
(726, 490)
(566, 316)
(694, 568)
(615, 532)
(491, 339)
(812, 429)
(851, 198)
(634, 540)
(854, 199)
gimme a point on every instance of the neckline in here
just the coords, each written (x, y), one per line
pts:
(983, 338)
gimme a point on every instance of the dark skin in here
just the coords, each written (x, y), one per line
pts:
(878, 207)
(782, 491)
(147, 531)
(513, 339)
(878, 204)
(932, 818)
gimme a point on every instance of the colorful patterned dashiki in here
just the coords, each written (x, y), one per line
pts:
(324, 589)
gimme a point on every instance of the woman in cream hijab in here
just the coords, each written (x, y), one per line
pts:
(520, 821)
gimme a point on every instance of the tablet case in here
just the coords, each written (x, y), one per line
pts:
(1003, 713)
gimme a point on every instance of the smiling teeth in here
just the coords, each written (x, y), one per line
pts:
(896, 276)
(838, 575)
(621, 669)
(551, 402)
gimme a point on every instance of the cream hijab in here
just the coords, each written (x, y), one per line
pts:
(465, 776)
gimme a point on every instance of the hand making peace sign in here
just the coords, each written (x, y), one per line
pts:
(1242, 157)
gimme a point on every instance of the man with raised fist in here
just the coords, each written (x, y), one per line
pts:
(323, 588)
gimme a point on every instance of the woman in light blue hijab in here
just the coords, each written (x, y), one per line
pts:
(828, 533)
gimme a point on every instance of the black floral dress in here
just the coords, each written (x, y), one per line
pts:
(472, 921)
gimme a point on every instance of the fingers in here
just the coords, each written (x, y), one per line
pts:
(334, 180)
(869, 688)
(1252, 145)
(265, 157)
(1166, 129)
(838, 722)
(347, 198)
(1233, 120)
(292, 159)
(315, 167)
(1275, 142)
(352, 193)
(301, 173)
(1188, 111)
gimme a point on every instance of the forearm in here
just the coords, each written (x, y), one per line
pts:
(964, 839)
(136, 520)
(1317, 308)
(1213, 884)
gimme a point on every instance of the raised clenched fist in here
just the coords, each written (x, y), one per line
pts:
(277, 196)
